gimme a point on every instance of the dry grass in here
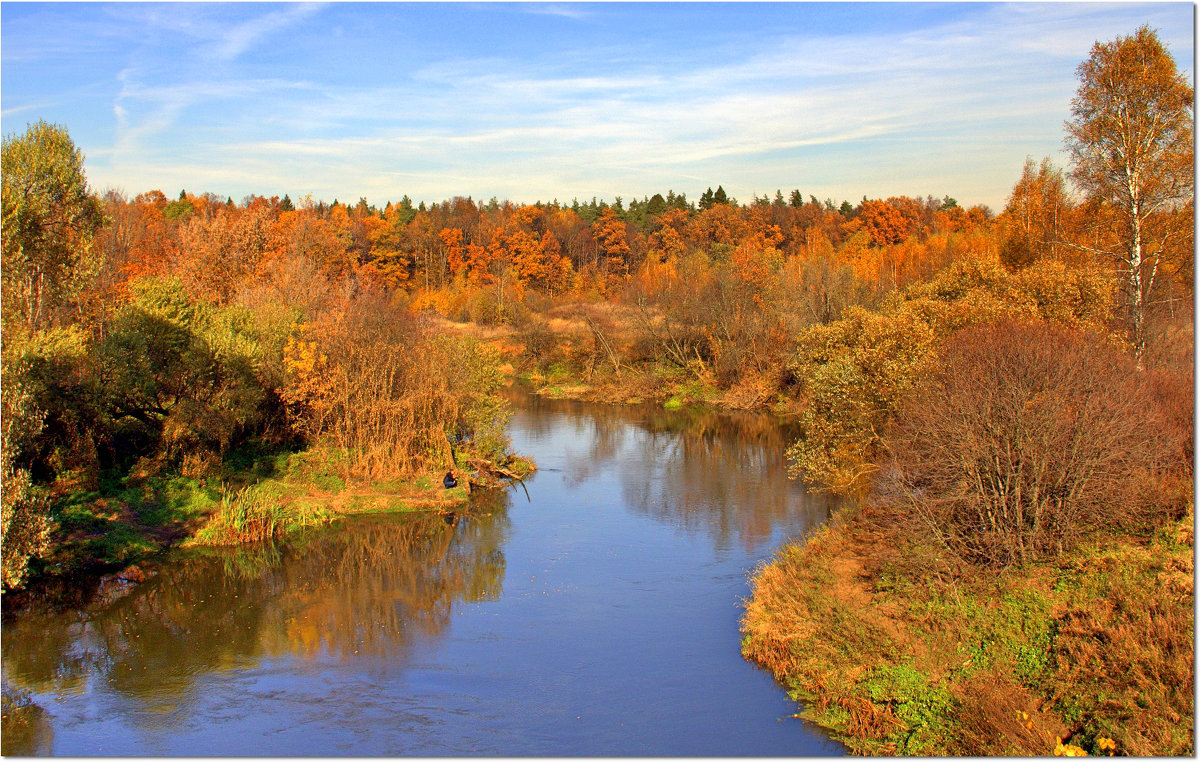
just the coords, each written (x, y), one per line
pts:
(1125, 644)
(997, 716)
(897, 652)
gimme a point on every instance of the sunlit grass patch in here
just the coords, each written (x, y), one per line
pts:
(256, 513)
(243, 516)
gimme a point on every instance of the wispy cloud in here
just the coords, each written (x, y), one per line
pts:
(243, 37)
(22, 109)
(525, 102)
(564, 10)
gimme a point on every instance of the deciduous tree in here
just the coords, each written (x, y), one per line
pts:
(1036, 217)
(50, 219)
(1130, 141)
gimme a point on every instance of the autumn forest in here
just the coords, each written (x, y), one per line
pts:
(1002, 396)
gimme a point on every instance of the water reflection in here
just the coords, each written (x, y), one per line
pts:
(724, 474)
(27, 729)
(365, 587)
(610, 589)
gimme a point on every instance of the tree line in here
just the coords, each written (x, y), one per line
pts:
(148, 333)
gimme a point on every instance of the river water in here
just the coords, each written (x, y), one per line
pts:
(593, 612)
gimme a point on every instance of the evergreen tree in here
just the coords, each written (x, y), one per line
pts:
(656, 205)
(405, 211)
(677, 202)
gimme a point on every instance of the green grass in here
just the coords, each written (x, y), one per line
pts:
(557, 373)
(256, 513)
(126, 520)
(924, 709)
(256, 494)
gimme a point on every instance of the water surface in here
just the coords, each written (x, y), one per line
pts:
(593, 612)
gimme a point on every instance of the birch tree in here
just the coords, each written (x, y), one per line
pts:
(1130, 143)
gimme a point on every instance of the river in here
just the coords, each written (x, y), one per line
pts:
(592, 612)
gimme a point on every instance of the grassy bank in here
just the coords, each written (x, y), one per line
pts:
(898, 651)
(254, 496)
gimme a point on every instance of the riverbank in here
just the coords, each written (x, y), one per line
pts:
(423, 617)
(592, 353)
(255, 496)
(896, 650)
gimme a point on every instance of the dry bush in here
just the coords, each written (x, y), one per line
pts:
(537, 338)
(1027, 436)
(1171, 338)
(377, 383)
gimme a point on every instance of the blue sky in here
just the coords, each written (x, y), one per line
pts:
(537, 101)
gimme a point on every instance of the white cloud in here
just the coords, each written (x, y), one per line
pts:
(565, 10)
(242, 37)
(954, 107)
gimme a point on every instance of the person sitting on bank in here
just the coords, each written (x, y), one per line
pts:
(448, 481)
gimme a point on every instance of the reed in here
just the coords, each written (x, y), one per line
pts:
(253, 513)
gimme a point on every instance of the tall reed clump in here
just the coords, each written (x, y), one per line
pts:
(378, 385)
(252, 514)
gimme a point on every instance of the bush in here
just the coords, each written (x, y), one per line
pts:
(24, 523)
(392, 398)
(1027, 436)
(184, 372)
(26, 526)
(855, 372)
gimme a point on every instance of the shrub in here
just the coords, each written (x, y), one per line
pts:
(392, 398)
(182, 371)
(24, 523)
(1027, 436)
(855, 371)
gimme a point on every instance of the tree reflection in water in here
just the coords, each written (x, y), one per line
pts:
(344, 631)
(721, 473)
(27, 729)
(367, 586)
